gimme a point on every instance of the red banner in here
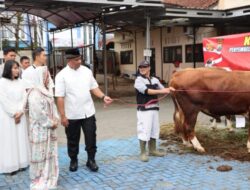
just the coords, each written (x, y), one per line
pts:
(232, 51)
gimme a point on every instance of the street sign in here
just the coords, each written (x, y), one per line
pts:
(147, 52)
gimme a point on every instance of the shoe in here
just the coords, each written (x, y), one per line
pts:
(12, 173)
(152, 149)
(22, 169)
(92, 165)
(73, 165)
(143, 155)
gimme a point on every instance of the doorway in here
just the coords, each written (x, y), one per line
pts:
(152, 62)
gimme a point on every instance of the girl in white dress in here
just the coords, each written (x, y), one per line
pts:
(14, 145)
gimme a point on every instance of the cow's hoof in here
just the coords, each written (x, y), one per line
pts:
(200, 150)
(197, 145)
(231, 129)
(187, 144)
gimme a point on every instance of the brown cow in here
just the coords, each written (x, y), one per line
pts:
(215, 92)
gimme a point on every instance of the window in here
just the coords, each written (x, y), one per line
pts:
(85, 34)
(198, 53)
(126, 57)
(5, 33)
(90, 35)
(126, 45)
(172, 54)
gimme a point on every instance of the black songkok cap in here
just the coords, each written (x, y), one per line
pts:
(72, 53)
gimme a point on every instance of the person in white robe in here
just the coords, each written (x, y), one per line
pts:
(14, 145)
(43, 121)
(30, 75)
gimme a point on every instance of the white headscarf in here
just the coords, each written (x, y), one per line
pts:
(44, 76)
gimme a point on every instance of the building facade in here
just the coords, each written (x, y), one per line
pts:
(171, 43)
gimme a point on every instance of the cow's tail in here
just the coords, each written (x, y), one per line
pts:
(178, 116)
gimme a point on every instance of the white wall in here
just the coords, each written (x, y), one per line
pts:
(228, 4)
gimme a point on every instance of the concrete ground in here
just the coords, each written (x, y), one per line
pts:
(121, 169)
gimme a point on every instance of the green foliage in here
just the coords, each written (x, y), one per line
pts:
(5, 43)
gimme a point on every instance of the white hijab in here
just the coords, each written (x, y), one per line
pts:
(44, 77)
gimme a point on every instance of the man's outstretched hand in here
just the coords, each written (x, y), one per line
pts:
(107, 100)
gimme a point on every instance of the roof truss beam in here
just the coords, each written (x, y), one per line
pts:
(237, 12)
(191, 13)
(151, 3)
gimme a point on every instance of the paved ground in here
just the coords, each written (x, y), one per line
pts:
(120, 168)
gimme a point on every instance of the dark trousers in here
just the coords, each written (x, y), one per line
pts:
(73, 132)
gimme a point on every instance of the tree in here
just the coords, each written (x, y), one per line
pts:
(19, 19)
(5, 43)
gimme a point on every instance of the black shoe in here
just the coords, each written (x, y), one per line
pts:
(22, 169)
(92, 165)
(13, 173)
(73, 165)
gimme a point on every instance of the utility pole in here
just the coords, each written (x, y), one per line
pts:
(104, 48)
(148, 38)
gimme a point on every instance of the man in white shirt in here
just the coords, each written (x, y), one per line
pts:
(9, 54)
(24, 63)
(74, 85)
(30, 75)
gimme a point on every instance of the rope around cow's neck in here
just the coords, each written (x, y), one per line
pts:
(164, 96)
(212, 91)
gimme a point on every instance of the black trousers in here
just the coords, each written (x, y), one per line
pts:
(73, 132)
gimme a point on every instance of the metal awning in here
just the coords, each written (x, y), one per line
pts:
(66, 14)
(121, 14)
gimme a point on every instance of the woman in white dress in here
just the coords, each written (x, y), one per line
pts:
(43, 121)
(14, 145)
